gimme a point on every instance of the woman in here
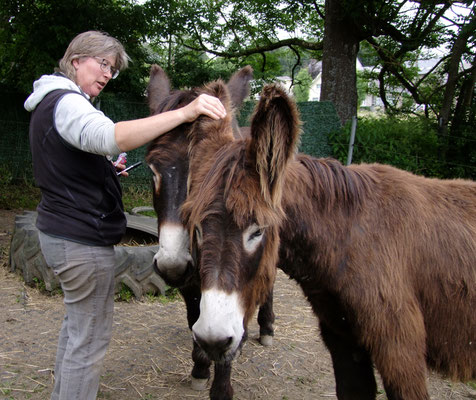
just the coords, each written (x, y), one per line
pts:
(80, 216)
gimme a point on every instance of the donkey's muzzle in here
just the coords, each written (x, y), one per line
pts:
(215, 348)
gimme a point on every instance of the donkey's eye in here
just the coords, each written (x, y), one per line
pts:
(252, 237)
(198, 235)
(157, 179)
(256, 234)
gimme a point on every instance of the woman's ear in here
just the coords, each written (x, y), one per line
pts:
(75, 63)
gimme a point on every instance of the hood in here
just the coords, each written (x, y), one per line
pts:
(45, 85)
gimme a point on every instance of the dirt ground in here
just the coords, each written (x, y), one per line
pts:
(150, 354)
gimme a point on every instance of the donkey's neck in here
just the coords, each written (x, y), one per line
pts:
(322, 199)
(329, 187)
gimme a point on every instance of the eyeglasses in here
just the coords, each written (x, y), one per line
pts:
(107, 67)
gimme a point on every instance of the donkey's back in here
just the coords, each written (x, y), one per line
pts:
(400, 252)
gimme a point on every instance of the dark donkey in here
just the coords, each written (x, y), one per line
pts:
(386, 258)
(168, 158)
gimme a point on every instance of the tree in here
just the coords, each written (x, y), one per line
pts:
(302, 85)
(35, 33)
(458, 50)
(330, 29)
(186, 37)
(341, 45)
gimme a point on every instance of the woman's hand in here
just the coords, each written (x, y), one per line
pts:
(206, 105)
(119, 168)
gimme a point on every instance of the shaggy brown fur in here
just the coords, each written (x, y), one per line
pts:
(168, 157)
(386, 258)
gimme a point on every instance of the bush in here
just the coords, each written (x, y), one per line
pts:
(409, 143)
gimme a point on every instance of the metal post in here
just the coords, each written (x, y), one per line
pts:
(352, 138)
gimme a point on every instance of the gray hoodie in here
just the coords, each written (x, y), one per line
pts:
(76, 119)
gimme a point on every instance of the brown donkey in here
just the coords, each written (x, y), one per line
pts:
(387, 259)
(167, 156)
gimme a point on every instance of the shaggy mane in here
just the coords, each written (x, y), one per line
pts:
(335, 184)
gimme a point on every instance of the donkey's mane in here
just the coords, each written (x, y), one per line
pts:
(229, 177)
(336, 184)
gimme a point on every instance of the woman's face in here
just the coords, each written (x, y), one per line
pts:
(91, 76)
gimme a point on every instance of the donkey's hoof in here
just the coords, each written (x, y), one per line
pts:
(266, 340)
(199, 384)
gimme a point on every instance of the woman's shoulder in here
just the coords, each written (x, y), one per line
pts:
(47, 84)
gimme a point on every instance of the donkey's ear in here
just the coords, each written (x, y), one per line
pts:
(206, 128)
(275, 128)
(239, 85)
(158, 87)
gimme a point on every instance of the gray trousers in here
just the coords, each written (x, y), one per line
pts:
(86, 274)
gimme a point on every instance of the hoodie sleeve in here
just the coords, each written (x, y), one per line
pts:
(85, 127)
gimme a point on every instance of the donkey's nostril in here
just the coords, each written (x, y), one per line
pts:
(214, 347)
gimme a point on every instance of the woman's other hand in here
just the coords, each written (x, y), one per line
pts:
(119, 168)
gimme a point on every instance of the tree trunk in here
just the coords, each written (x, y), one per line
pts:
(466, 95)
(457, 51)
(339, 77)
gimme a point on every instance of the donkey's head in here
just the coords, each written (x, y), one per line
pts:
(234, 211)
(168, 158)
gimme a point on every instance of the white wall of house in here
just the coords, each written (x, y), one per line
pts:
(315, 90)
(371, 102)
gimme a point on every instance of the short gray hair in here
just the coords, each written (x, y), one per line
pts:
(93, 44)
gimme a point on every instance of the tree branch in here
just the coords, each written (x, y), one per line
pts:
(258, 49)
(298, 61)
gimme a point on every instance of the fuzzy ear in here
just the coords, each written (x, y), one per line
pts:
(239, 88)
(275, 129)
(239, 85)
(158, 87)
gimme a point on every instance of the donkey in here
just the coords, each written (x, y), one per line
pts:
(387, 259)
(167, 157)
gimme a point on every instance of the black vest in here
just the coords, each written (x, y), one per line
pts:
(81, 194)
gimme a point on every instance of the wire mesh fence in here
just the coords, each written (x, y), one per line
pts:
(415, 149)
(15, 158)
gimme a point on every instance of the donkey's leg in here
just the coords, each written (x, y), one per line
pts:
(352, 367)
(402, 365)
(405, 377)
(266, 320)
(201, 368)
(221, 387)
(201, 363)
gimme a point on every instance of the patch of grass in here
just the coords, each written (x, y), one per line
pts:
(102, 395)
(125, 294)
(23, 195)
(40, 285)
(137, 197)
(26, 196)
(171, 294)
(151, 297)
(3, 256)
(5, 390)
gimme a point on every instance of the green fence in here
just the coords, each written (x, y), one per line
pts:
(15, 156)
(319, 119)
